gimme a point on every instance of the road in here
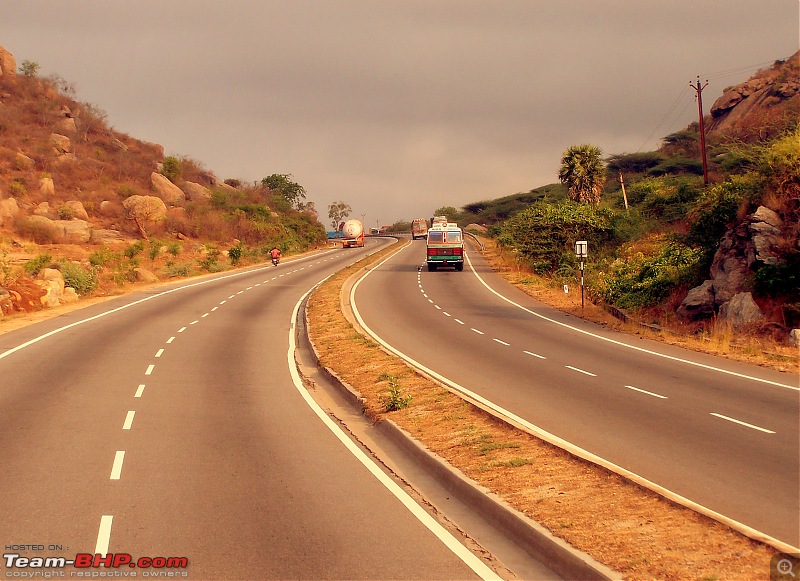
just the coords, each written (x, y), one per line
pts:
(720, 433)
(169, 423)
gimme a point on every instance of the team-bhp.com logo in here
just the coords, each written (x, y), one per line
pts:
(89, 565)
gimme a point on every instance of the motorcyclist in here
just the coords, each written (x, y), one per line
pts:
(275, 253)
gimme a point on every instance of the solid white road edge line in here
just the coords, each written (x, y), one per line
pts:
(741, 423)
(620, 343)
(469, 559)
(21, 346)
(103, 535)
(560, 442)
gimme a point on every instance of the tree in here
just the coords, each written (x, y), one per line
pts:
(283, 185)
(29, 68)
(582, 171)
(449, 211)
(337, 212)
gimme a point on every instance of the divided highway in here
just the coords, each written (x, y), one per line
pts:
(169, 424)
(720, 433)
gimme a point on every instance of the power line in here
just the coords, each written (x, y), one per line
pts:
(664, 118)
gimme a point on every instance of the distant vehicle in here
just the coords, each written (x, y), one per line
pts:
(352, 234)
(419, 228)
(374, 231)
(445, 246)
(384, 229)
(438, 220)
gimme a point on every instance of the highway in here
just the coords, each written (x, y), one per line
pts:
(171, 423)
(720, 433)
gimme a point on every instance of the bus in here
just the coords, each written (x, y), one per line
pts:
(445, 246)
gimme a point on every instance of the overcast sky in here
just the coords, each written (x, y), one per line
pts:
(398, 107)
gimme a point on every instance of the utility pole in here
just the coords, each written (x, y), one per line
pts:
(624, 195)
(699, 90)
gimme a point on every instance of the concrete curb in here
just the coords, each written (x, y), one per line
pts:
(534, 539)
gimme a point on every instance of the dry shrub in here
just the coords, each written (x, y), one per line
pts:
(38, 231)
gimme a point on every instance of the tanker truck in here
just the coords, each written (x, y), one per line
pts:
(352, 234)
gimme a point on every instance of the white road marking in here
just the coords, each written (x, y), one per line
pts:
(214, 309)
(259, 284)
(535, 355)
(103, 535)
(170, 340)
(621, 344)
(469, 559)
(459, 321)
(223, 302)
(116, 469)
(501, 342)
(240, 292)
(128, 420)
(149, 369)
(647, 392)
(438, 307)
(248, 288)
(194, 322)
(478, 332)
(430, 301)
(580, 370)
(139, 390)
(741, 423)
(204, 315)
(232, 296)
(446, 314)
(181, 330)
(159, 353)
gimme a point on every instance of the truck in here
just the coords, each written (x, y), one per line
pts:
(419, 228)
(352, 234)
(445, 246)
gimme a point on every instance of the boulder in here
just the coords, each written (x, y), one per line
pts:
(66, 125)
(105, 236)
(732, 261)
(45, 210)
(74, 231)
(61, 143)
(52, 283)
(740, 310)
(166, 190)
(108, 208)
(765, 231)
(47, 187)
(22, 161)
(794, 338)
(195, 192)
(144, 275)
(78, 211)
(8, 64)
(144, 210)
(699, 303)
(9, 210)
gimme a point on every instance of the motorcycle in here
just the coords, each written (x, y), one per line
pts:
(275, 261)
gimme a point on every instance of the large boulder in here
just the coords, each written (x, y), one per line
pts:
(166, 190)
(46, 187)
(765, 231)
(144, 275)
(794, 338)
(9, 210)
(740, 310)
(105, 236)
(8, 64)
(77, 209)
(61, 144)
(44, 209)
(195, 192)
(22, 161)
(144, 210)
(699, 303)
(74, 231)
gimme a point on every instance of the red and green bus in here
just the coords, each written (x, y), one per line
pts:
(445, 246)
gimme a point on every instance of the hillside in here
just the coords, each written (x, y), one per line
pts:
(89, 208)
(669, 250)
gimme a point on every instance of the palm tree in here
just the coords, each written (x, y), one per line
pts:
(583, 173)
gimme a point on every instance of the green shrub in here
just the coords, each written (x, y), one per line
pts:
(210, 262)
(102, 257)
(717, 208)
(134, 249)
(235, 253)
(37, 263)
(154, 249)
(178, 270)
(782, 279)
(65, 213)
(82, 280)
(394, 400)
(174, 248)
(171, 168)
(125, 191)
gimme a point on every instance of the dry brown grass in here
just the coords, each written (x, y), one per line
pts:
(622, 525)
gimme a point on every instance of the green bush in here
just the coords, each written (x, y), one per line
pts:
(235, 253)
(102, 257)
(134, 249)
(37, 263)
(171, 168)
(82, 280)
(717, 208)
(174, 248)
(178, 270)
(65, 213)
(782, 279)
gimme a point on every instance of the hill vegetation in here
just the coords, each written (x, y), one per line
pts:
(105, 209)
(662, 233)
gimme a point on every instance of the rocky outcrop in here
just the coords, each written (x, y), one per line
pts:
(9, 210)
(46, 187)
(740, 310)
(74, 231)
(743, 248)
(61, 144)
(794, 338)
(195, 192)
(144, 210)
(166, 190)
(22, 161)
(77, 209)
(144, 275)
(8, 64)
(44, 209)
(55, 291)
(105, 236)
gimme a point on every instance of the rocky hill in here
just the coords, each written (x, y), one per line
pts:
(88, 208)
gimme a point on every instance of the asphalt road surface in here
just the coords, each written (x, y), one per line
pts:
(721, 433)
(168, 423)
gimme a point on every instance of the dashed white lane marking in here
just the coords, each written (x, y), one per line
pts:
(430, 301)
(258, 284)
(139, 390)
(194, 322)
(501, 342)
(159, 353)
(223, 302)
(116, 469)
(230, 297)
(438, 307)
(240, 292)
(459, 321)
(170, 340)
(149, 369)
(103, 535)
(446, 314)
(647, 392)
(478, 332)
(248, 288)
(580, 370)
(534, 355)
(181, 330)
(204, 315)
(128, 420)
(741, 423)
(214, 309)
